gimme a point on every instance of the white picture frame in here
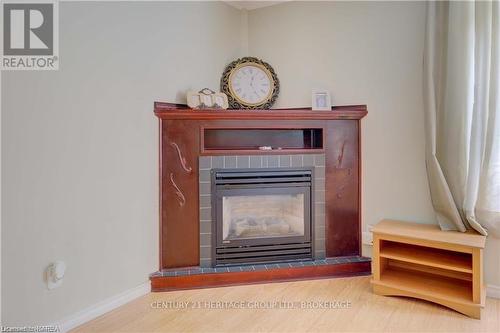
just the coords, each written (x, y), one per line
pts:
(321, 100)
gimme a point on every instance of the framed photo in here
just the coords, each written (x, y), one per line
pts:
(321, 100)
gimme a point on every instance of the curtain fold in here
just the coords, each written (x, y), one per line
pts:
(461, 101)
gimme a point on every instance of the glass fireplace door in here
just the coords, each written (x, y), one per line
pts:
(261, 215)
(266, 215)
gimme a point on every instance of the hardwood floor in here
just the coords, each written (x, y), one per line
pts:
(367, 312)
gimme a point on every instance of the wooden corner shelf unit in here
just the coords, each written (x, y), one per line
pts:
(421, 261)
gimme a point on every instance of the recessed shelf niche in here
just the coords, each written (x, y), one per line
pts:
(247, 140)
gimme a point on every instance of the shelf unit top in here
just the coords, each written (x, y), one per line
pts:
(430, 232)
(181, 111)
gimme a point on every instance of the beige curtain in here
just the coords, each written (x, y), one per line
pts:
(462, 114)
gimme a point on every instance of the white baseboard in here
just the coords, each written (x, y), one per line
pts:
(493, 291)
(102, 307)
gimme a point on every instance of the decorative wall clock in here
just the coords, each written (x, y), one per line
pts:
(250, 83)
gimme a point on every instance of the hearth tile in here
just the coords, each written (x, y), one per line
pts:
(284, 161)
(247, 268)
(308, 160)
(221, 270)
(308, 263)
(265, 161)
(242, 161)
(205, 227)
(320, 254)
(156, 274)
(205, 262)
(320, 232)
(205, 239)
(168, 273)
(319, 220)
(255, 162)
(273, 161)
(229, 162)
(283, 265)
(205, 252)
(320, 224)
(205, 188)
(351, 259)
(205, 175)
(206, 214)
(260, 267)
(205, 162)
(296, 264)
(296, 161)
(319, 196)
(319, 172)
(319, 160)
(205, 201)
(218, 162)
(319, 183)
(320, 208)
(320, 246)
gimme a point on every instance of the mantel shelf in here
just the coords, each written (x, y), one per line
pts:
(179, 111)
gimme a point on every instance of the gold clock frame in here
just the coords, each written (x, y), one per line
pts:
(234, 101)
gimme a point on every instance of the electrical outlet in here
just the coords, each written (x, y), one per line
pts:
(367, 238)
(54, 274)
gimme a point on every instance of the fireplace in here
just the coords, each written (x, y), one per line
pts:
(195, 142)
(261, 215)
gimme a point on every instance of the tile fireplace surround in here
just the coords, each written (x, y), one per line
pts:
(193, 142)
(207, 163)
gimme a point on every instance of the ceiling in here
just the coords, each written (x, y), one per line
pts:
(251, 5)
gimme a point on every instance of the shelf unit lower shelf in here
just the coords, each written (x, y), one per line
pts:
(423, 263)
(428, 286)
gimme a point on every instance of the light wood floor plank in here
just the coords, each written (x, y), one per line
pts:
(367, 313)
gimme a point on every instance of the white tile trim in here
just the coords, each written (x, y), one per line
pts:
(102, 307)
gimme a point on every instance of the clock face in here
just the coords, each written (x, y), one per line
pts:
(251, 84)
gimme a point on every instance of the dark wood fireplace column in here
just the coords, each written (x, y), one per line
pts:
(187, 134)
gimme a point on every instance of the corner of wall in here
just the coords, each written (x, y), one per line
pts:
(244, 48)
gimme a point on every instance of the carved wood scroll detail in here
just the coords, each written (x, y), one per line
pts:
(182, 159)
(178, 192)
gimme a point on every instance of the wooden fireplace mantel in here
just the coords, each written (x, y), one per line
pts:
(184, 138)
(179, 111)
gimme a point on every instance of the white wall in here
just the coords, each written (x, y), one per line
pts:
(79, 148)
(364, 53)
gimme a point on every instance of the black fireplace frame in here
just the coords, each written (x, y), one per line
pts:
(262, 181)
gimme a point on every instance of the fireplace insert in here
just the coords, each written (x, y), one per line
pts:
(261, 215)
